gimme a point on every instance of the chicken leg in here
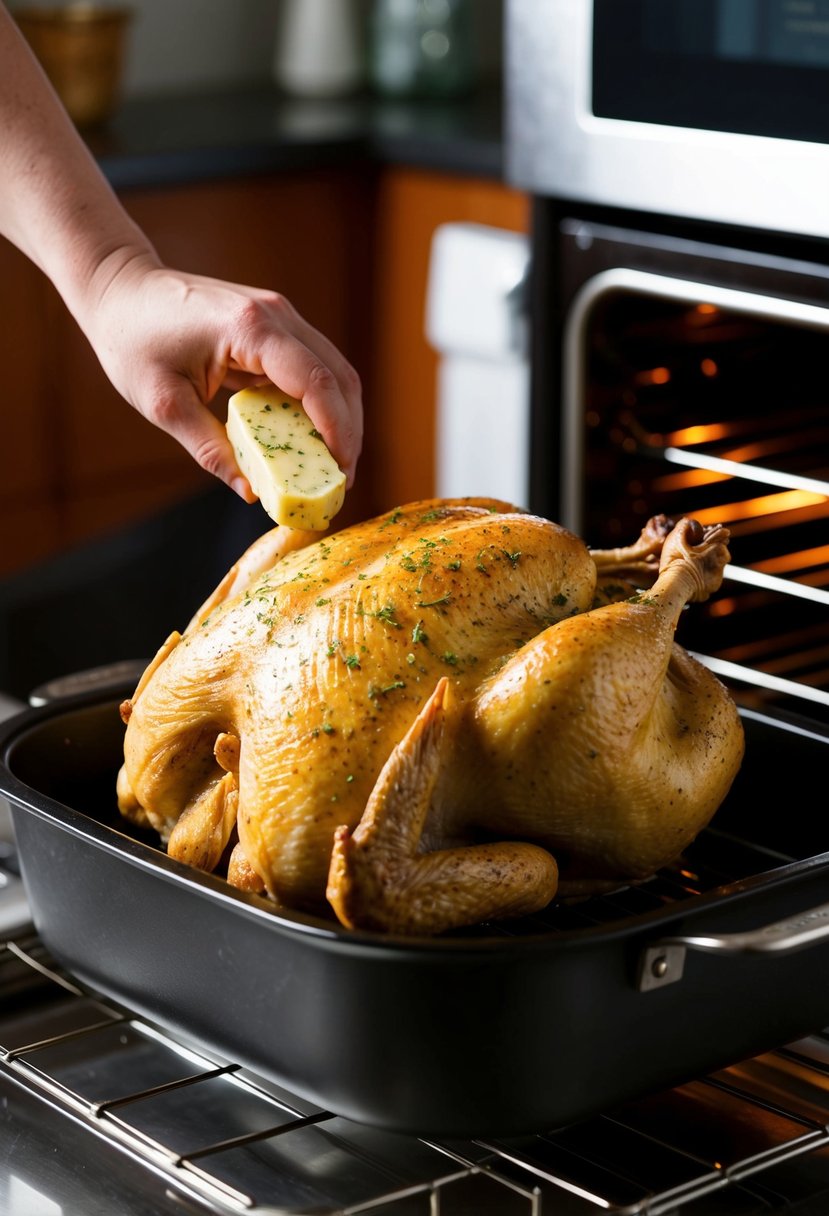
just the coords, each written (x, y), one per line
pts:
(379, 880)
(602, 739)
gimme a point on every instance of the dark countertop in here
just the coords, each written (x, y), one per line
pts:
(175, 139)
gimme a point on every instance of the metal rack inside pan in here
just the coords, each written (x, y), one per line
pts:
(753, 1137)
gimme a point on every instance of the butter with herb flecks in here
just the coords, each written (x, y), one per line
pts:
(284, 458)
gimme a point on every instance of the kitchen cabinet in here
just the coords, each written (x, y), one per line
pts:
(348, 245)
(30, 431)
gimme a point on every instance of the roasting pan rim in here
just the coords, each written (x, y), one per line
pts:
(86, 827)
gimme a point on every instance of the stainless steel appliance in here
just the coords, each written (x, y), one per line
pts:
(677, 156)
(710, 110)
(680, 300)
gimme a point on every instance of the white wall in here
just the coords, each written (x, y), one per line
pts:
(182, 44)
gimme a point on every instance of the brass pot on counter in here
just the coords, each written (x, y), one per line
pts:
(81, 48)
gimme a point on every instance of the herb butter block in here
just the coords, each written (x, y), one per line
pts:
(284, 458)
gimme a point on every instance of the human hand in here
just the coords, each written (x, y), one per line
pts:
(169, 341)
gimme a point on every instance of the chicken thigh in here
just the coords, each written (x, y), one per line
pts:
(436, 717)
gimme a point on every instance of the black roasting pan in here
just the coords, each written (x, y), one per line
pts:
(483, 1033)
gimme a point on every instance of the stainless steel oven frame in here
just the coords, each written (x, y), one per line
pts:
(556, 146)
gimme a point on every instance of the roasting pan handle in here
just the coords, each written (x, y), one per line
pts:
(663, 963)
(103, 679)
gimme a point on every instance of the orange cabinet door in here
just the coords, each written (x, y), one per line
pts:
(400, 405)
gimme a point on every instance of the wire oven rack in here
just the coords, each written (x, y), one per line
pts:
(751, 1139)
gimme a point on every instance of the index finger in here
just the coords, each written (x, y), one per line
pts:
(298, 371)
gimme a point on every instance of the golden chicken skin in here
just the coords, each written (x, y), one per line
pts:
(440, 716)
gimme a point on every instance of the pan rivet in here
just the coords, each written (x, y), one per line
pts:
(659, 967)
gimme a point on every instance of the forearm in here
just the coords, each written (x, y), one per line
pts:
(55, 204)
(168, 340)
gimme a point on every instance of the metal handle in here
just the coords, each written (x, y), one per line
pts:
(99, 679)
(664, 962)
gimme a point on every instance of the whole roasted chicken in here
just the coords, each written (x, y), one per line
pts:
(440, 716)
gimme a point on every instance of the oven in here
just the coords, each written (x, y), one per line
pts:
(689, 379)
(679, 316)
(678, 160)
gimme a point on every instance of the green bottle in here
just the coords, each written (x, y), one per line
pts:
(421, 48)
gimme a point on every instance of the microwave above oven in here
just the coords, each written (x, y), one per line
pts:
(716, 110)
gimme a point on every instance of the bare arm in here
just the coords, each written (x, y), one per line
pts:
(168, 340)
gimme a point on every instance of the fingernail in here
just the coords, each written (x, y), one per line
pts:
(242, 488)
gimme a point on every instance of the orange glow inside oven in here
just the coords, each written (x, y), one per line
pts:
(653, 375)
(787, 562)
(702, 433)
(763, 506)
(689, 479)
